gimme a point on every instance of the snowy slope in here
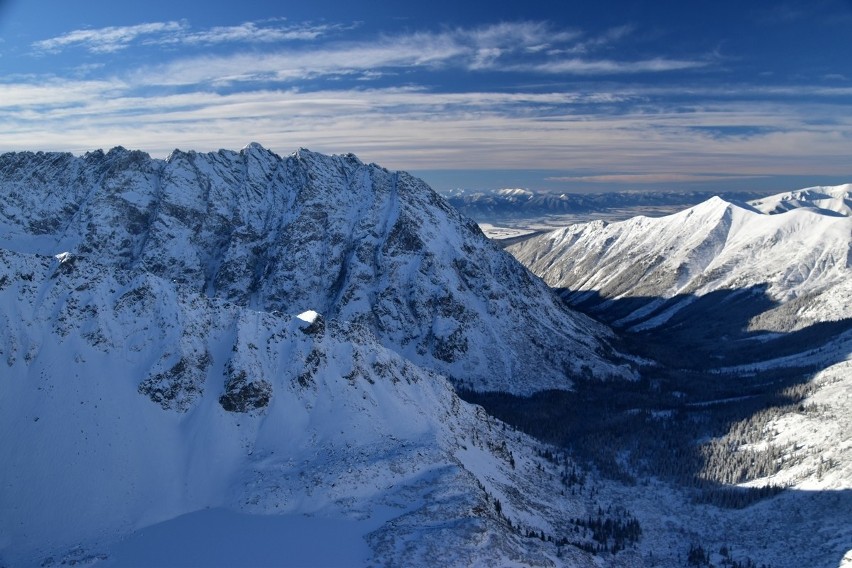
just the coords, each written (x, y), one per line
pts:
(279, 416)
(818, 437)
(837, 199)
(328, 233)
(799, 260)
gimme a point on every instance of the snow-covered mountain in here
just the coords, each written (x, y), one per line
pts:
(743, 312)
(798, 263)
(837, 199)
(236, 337)
(351, 241)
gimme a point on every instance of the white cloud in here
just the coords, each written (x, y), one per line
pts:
(514, 47)
(415, 129)
(117, 38)
(415, 50)
(252, 32)
(485, 48)
(106, 40)
(606, 39)
(56, 92)
(516, 35)
(578, 66)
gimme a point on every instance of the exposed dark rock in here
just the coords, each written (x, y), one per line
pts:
(244, 396)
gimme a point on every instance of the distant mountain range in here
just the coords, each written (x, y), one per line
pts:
(826, 199)
(489, 206)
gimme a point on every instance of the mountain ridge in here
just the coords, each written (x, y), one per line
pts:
(518, 203)
(310, 232)
(829, 199)
(715, 245)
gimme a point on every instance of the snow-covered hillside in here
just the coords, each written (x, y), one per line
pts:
(837, 199)
(799, 261)
(280, 416)
(354, 242)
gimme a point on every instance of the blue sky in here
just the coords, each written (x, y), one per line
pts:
(561, 96)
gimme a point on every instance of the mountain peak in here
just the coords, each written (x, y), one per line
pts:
(715, 245)
(514, 192)
(253, 146)
(721, 206)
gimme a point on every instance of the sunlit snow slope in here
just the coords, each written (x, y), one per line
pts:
(836, 199)
(799, 260)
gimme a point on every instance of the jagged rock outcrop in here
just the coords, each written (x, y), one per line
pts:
(352, 241)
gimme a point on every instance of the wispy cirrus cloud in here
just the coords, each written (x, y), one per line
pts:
(411, 128)
(109, 39)
(56, 93)
(117, 38)
(415, 50)
(318, 86)
(509, 37)
(486, 45)
(578, 66)
(254, 32)
(600, 41)
(521, 47)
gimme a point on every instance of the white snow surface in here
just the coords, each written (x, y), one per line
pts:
(113, 424)
(308, 316)
(799, 258)
(830, 199)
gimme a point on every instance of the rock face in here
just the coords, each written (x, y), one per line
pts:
(354, 242)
